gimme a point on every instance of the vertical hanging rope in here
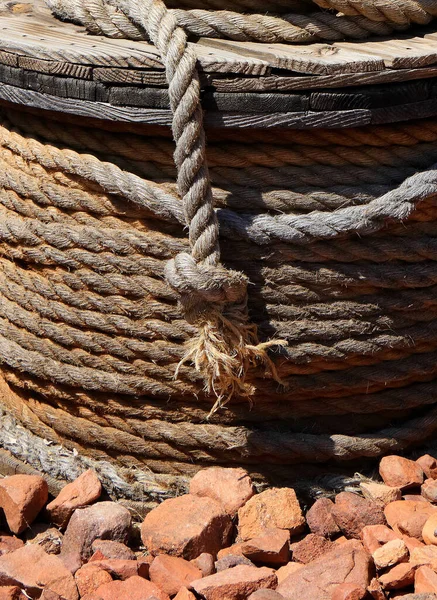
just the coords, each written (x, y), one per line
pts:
(212, 297)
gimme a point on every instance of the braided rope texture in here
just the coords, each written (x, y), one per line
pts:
(91, 333)
(214, 298)
(349, 19)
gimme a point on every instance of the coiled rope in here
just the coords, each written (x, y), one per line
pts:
(103, 299)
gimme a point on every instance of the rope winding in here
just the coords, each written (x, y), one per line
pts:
(102, 298)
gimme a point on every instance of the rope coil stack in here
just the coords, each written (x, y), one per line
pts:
(304, 294)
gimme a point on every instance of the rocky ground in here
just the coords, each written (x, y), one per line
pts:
(223, 541)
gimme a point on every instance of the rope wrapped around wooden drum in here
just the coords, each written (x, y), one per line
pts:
(337, 234)
(298, 314)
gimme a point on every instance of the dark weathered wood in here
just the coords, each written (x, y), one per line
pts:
(406, 112)
(64, 87)
(253, 103)
(147, 97)
(85, 108)
(373, 96)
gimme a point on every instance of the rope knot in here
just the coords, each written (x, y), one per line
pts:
(204, 288)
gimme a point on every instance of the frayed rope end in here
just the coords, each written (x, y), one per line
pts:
(223, 352)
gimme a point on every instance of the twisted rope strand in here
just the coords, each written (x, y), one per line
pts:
(103, 18)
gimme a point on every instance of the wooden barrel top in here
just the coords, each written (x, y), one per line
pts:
(46, 64)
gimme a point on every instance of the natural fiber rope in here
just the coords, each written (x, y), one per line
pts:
(104, 19)
(335, 234)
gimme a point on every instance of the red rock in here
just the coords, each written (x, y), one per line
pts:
(49, 539)
(204, 562)
(230, 561)
(413, 526)
(430, 529)
(414, 497)
(144, 563)
(352, 513)
(398, 577)
(342, 539)
(184, 594)
(9, 543)
(380, 493)
(320, 519)
(274, 508)
(347, 563)
(186, 526)
(397, 471)
(235, 584)
(234, 550)
(348, 591)
(117, 567)
(134, 588)
(107, 520)
(33, 570)
(112, 549)
(11, 592)
(429, 465)
(375, 590)
(81, 492)
(403, 511)
(424, 556)
(272, 548)
(48, 594)
(232, 488)
(390, 554)
(375, 536)
(21, 498)
(429, 490)
(426, 596)
(265, 594)
(283, 572)
(412, 543)
(171, 573)
(89, 577)
(311, 547)
(425, 580)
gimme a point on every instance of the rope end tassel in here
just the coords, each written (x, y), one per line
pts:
(227, 346)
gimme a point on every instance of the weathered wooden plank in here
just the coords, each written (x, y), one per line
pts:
(103, 111)
(304, 120)
(145, 97)
(405, 112)
(68, 43)
(373, 96)
(129, 76)
(52, 67)
(6, 58)
(296, 120)
(321, 59)
(216, 59)
(399, 54)
(281, 83)
(64, 87)
(253, 103)
(84, 108)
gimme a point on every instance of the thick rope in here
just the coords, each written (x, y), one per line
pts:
(91, 334)
(402, 12)
(103, 19)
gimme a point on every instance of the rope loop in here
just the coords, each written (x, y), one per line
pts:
(201, 285)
